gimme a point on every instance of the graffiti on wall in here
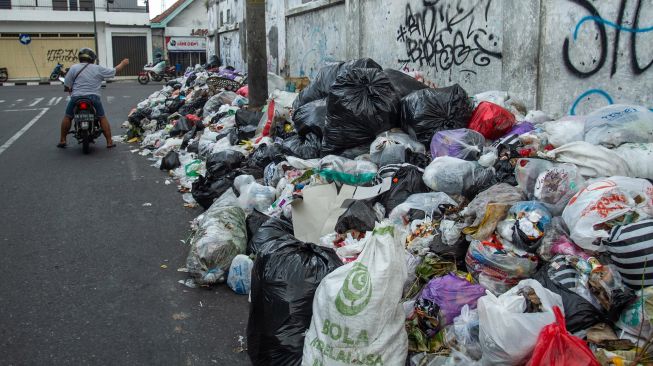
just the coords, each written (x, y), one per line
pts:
(444, 34)
(584, 68)
(620, 26)
(62, 55)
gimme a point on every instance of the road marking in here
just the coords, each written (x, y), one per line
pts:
(22, 109)
(54, 101)
(2, 101)
(22, 131)
(35, 102)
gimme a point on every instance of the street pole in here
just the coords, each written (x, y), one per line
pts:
(97, 52)
(257, 66)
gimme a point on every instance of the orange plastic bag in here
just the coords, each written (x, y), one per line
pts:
(555, 346)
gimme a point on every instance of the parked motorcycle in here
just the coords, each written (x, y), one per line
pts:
(58, 72)
(157, 72)
(4, 74)
(86, 124)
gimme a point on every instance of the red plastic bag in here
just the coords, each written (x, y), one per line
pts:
(491, 120)
(555, 346)
(243, 91)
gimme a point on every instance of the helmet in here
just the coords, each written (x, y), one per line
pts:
(86, 55)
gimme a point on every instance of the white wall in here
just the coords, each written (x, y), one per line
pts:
(193, 16)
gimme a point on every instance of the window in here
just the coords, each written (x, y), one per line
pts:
(221, 19)
(59, 5)
(72, 4)
(86, 5)
(5, 4)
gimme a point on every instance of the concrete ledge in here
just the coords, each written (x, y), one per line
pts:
(312, 6)
(35, 83)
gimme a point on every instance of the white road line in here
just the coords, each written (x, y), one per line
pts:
(22, 131)
(58, 100)
(22, 109)
(19, 100)
(2, 101)
(35, 102)
(51, 102)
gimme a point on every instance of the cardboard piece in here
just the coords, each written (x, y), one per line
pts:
(317, 213)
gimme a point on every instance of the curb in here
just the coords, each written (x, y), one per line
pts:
(35, 83)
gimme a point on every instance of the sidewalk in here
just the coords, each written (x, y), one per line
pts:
(32, 82)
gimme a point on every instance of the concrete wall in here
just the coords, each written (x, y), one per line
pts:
(231, 33)
(193, 16)
(525, 47)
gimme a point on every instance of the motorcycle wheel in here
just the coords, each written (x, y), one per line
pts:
(157, 77)
(53, 77)
(3, 77)
(86, 142)
(143, 79)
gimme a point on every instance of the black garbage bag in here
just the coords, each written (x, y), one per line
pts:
(265, 154)
(181, 127)
(405, 182)
(270, 231)
(362, 103)
(404, 84)
(173, 105)
(253, 223)
(522, 241)
(418, 159)
(579, 313)
(311, 118)
(191, 78)
(326, 76)
(246, 123)
(194, 147)
(307, 147)
(359, 216)
(206, 190)
(482, 179)
(170, 161)
(456, 252)
(188, 136)
(223, 163)
(284, 279)
(505, 172)
(427, 111)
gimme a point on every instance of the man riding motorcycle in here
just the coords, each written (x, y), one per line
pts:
(84, 80)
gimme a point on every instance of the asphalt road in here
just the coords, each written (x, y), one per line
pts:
(81, 281)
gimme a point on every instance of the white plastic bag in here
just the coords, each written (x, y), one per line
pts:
(555, 186)
(507, 334)
(565, 130)
(639, 158)
(450, 175)
(592, 160)
(390, 148)
(253, 196)
(427, 202)
(240, 274)
(357, 315)
(616, 124)
(603, 200)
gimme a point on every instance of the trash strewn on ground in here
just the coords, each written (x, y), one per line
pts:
(374, 220)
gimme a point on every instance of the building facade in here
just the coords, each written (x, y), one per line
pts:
(179, 33)
(59, 28)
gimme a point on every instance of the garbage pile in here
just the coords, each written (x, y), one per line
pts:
(376, 221)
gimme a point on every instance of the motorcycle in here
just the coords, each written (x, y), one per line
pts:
(86, 124)
(58, 72)
(157, 72)
(4, 74)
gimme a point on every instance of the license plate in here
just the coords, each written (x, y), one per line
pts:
(84, 125)
(84, 117)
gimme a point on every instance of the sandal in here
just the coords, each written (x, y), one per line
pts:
(111, 146)
(62, 145)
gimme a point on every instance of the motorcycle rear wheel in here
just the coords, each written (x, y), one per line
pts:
(143, 79)
(86, 142)
(54, 77)
(3, 77)
(157, 77)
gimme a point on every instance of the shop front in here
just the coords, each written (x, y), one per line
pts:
(186, 51)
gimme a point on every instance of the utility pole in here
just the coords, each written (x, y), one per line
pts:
(97, 52)
(257, 66)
